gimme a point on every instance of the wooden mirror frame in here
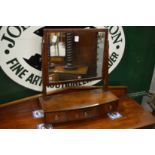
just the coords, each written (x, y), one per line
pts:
(45, 59)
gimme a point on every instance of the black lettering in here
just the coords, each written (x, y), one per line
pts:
(71, 84)
(114, 56)
(51, 86)
(18, 69)
(14, 31)
(40, 82)
(57, 86)
(117, 38)
(36, 80)
(13, 61)
(23, 73)
(112, 59)
(110, 63)
(30, 78)
(14, 65)
(113, 29)
(11, 41)
(85, 82)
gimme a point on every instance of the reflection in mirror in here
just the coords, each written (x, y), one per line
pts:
(75, 55)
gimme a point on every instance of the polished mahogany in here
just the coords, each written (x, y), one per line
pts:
(18, 115)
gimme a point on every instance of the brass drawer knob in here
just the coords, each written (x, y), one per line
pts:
(85, 114)
(56, 118)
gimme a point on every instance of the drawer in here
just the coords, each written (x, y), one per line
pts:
(80, 114)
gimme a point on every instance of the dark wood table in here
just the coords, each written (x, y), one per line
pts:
(134, 116)
(18, 115)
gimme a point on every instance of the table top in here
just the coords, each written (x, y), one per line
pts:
(19, 116)
(134, 116)
(77, 100)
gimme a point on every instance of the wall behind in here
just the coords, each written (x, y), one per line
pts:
(136, 67)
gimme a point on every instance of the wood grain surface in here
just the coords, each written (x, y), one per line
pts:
(77, 100)
(18, 115)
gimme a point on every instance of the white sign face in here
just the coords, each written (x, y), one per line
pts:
(20, 54)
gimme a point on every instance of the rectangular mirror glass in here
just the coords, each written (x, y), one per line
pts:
(75, 55)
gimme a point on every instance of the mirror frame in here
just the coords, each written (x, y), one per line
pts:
(45, 58)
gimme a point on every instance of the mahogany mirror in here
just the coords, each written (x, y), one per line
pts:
(74, 55)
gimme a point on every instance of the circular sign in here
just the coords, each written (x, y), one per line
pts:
(20, 53)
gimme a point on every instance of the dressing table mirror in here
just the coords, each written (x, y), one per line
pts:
(72, 58)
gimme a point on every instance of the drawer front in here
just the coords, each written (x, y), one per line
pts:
(80, 114)
(55, 117)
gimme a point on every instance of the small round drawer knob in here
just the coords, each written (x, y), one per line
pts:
(85, 114)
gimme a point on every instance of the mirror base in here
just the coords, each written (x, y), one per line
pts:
(78, 105)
